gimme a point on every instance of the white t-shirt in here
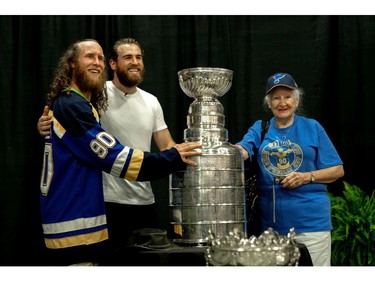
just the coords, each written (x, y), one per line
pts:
(132, 119)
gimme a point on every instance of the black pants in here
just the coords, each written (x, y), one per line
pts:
(98, 253)
(123, 219)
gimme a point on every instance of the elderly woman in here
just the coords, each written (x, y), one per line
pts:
(296, 159)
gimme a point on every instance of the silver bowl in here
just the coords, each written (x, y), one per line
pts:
(205, 81)
(269, 249)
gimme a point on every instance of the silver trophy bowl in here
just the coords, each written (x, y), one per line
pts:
(209, 197)
(205, 81)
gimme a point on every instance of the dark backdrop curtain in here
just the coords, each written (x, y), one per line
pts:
(331, 58)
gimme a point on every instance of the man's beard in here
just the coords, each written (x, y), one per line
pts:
(128, 81)
(86, 83)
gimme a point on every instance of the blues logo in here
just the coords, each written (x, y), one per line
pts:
(277, 78)
(281, 157)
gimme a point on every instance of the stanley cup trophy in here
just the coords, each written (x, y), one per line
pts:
(211, 196)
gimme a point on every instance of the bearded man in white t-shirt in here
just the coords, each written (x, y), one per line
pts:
(136, 118)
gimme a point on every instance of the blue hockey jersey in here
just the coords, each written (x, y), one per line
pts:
(75, 154)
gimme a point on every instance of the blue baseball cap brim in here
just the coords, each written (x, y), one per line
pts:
(280, 80)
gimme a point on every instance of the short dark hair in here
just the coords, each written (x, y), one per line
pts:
(113, 54)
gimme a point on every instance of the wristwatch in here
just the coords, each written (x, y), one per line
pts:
(312, 178)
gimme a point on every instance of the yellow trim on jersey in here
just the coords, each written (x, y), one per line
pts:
(83, 239)
(95, 113)
(134, 165)
(58, 128)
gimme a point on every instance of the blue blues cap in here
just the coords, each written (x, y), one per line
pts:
(280, 79)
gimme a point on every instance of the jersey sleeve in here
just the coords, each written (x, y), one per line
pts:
(76, 124)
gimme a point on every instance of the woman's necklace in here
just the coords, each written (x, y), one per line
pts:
(285, 130)
(283, 133)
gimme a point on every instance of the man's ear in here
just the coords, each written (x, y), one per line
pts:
(112, 64)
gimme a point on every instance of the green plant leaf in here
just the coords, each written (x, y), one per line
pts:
(353, 221)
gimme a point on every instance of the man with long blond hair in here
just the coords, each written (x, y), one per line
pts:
(76, 152)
